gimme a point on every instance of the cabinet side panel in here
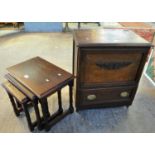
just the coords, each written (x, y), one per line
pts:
(76, 60)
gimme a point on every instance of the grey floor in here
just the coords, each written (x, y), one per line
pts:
(57, 48)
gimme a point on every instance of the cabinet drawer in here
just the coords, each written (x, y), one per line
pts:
(104, 95)
(109, 65)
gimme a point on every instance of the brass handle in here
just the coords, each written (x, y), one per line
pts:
(91, 97)
(124, 94)
(112, 65)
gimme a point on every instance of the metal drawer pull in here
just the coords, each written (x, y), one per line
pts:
(124, 94)
(113, 65)
(91, 97)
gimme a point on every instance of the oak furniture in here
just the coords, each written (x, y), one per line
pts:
(19, 102)
(32, 98)
(107, 64)
(44, 79)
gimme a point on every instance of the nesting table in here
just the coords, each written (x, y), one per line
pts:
(43, 79)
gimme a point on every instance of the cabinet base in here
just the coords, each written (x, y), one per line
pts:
(105, 105)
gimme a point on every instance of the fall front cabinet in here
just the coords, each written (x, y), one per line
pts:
(107, 65)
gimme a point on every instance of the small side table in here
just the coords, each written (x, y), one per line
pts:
(50, 120)
(44, 79)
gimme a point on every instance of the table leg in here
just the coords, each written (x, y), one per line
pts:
(71, 96)
(28, 116)
(38, 117)
(60, 101)
(45, 110)
(16, 111)
(18, 104)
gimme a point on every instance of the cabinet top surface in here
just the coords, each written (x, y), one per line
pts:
(102, 37)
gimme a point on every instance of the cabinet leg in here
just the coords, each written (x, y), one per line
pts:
(71, 97)
(128, 105)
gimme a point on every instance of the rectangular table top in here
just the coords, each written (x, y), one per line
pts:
(39, 76)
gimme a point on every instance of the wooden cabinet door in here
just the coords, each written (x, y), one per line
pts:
(111, 65)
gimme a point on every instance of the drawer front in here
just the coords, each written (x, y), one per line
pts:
(109, 66)
(104, 95)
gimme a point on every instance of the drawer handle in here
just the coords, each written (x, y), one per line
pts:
(112, 65)
(124, 94)
(91, 97)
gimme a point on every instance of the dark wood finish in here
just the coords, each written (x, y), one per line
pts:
(37, 112)
(16, 111)
(71, 108)
(19, 102)
(56, 119)
(28, 116)
(21, 87)
(104, 105)
(107, 63)
(14, 91)
(60, 101)
(39, 76)
(108, 37)
(44, 106)
(60, 114)
(93, 70)
(29, 94)
(42, 79)
(102, 95)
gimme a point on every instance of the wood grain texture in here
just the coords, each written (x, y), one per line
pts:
(92, 72)
(21, 87)
(14, 91)
(103, 61)
(106, 37)
(102, 95)
(39, 76)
